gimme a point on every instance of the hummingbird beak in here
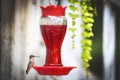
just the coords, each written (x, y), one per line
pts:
(36, 56)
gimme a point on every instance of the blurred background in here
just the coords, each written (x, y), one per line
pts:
(20, 37)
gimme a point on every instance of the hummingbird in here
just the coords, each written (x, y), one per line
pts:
(31, 63)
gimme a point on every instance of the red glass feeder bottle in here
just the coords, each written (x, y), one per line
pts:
(53, 25)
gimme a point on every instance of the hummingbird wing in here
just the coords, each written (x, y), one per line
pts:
(30, 65)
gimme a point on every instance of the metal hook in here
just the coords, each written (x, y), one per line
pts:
(51, 3)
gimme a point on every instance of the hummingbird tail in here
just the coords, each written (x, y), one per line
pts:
(27, 71)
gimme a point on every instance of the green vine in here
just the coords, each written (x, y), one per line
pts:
(73, 16)
(87, 18)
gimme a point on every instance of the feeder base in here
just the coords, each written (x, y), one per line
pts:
(53, 70)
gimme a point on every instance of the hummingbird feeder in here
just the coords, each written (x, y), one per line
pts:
(53, 25)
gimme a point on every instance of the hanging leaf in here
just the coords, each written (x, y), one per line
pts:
(87, 27)
(88, 14)
(89, 19)
(84, 7)
(73, 16)
(76, 16)
(73, 23)
(73, 35)
(86, 42)
(88, 48)
(71, 1)
(90, 8)
(73, 29)
(86, 65)
(89, 24)
(73, 8)
(77, 2)
(86, 54)
(87, 34)
(84, 18)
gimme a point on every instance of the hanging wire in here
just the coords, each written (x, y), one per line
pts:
(49, 2)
